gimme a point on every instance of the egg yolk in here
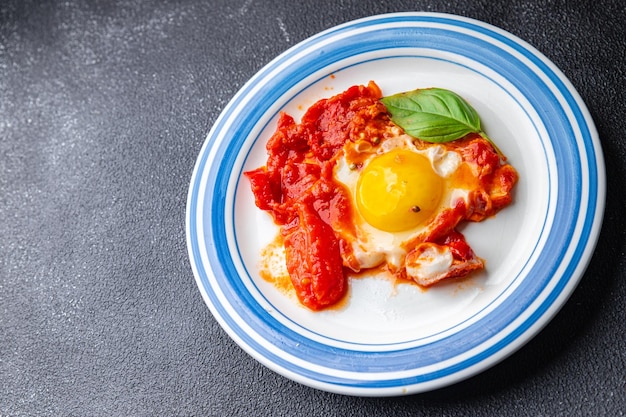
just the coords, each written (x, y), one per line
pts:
(398, 190)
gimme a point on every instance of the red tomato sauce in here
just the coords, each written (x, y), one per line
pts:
(296, 186)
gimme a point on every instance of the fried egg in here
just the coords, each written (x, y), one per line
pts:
(397, 189)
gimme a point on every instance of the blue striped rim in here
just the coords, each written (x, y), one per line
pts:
(347, 45)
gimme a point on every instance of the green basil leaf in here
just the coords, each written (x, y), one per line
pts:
(433, 114)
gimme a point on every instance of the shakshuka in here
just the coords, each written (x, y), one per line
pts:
(351, 191)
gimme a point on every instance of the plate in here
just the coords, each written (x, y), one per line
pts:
(386, 339)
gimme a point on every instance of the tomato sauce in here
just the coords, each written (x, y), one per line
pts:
(296, 186)
(496, 180)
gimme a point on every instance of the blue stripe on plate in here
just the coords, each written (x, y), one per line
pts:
(345, 43)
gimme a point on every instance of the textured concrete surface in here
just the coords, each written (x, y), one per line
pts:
(103, 109)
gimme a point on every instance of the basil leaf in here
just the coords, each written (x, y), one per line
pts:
(433, 114)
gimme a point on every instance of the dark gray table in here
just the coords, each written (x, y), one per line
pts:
(103, 109)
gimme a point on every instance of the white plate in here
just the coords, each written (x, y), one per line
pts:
(390, 340)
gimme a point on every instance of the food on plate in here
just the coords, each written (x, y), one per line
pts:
(368, 182)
